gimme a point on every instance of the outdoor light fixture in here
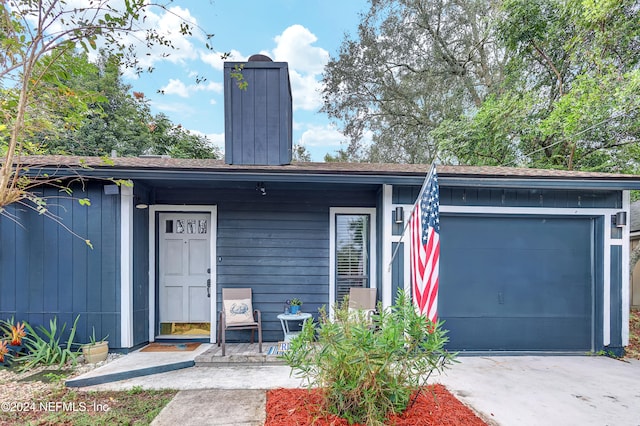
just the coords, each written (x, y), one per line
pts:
(399, 214)
(619, 219)
(261, 188)
(140, 203)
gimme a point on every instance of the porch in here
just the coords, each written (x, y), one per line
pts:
(239, 354)
(143, 363)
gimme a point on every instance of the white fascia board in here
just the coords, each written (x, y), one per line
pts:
(386, 284)
(126, 266)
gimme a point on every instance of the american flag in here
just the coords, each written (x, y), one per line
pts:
(425, 248)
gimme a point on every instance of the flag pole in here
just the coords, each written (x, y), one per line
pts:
(413, 210)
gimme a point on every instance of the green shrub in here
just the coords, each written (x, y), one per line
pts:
(366, 369)
(44, 346)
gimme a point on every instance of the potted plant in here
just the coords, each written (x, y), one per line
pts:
(295, 305)
(95, 350)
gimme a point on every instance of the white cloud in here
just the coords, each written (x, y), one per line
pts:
(305, 91)
(294, 45)
(214, 59)
(172, 107)
(321, 140)
(323, 136)
(177, 87)
(216, 139)
(306, 63)
(167, 24)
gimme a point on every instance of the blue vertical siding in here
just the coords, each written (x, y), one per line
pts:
(50, 263)
(141, 269)
(9, 250)
(47, 272)
(278, 244)
(258, 126)
(397, 270)
(615, 302)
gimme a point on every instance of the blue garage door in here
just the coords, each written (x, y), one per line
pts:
(517, 283)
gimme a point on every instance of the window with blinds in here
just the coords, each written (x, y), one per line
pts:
(352, 252)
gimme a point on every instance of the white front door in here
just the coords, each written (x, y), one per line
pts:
(184, 267)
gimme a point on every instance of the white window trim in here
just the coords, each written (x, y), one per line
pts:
(333, 211)
(171, 208)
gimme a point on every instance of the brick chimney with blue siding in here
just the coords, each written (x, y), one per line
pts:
(258, 120)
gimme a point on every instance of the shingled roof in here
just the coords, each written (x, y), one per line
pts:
(448, 173)
(161, 162)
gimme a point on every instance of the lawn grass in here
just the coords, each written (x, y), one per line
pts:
(64, 406)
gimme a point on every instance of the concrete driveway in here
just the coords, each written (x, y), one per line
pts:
(548, 390)
(503, 390)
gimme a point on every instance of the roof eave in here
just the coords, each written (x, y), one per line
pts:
(373, 178)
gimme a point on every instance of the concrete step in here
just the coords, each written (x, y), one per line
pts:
(239, 354)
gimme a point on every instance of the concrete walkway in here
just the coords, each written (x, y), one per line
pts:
(504, 390)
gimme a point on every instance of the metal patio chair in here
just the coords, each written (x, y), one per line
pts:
(237, 313)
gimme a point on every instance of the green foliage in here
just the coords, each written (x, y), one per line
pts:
(570, 95)
(295, 302)
(300, 154)
(112, 118)
(135, 390)
(411, 65)
(545, 84)
(46, 90)
(369, 370)
(92, 338)
(45, 348)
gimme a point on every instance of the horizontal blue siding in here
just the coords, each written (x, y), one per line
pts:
(277, 244)
(47, 272)
(499, 197)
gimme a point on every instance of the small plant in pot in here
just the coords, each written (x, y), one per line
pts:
(95, 350)
(295, 305)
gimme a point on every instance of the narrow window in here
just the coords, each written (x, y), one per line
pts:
(352, 252)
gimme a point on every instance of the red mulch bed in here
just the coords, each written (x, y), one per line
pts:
(287, 407)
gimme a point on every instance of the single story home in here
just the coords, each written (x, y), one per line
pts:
(532, 261)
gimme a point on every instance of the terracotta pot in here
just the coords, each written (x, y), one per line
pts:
(95, 353)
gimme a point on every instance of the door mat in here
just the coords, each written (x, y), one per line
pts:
(170, 347)
(279, 349)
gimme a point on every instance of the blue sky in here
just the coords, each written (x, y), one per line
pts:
(304, 33)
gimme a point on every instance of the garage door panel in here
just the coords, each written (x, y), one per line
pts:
(516, 283)
(517, 334)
